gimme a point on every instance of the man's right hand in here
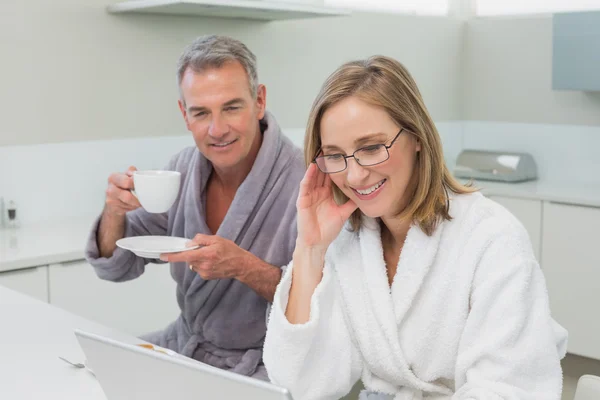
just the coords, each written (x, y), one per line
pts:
(119, 198)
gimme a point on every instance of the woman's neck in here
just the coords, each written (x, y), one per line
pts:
(393, 235)
(394, 231)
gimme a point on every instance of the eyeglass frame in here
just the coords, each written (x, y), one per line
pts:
(386, 147)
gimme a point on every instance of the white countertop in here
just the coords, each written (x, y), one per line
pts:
(44, 243)
(62, 241)
(560, 192)
(33, 335)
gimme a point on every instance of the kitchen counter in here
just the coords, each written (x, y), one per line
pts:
(34, 335)
(44, 243)
(559, 192)
(62, 241)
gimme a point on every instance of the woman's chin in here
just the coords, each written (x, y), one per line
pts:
(371, 212)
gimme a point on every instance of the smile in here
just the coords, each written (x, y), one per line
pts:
(221, 145)
(369, 190)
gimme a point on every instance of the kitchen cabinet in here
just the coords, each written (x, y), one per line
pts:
(30, 281)
(576, 51)
(572, 271)
(529, 213)
(253, 10)
(139, 306)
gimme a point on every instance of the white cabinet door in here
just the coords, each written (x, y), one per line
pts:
(529, 212)
(139, 306)
(572, 270)
(30, 281)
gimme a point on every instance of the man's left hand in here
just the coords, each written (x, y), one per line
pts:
(217, 258)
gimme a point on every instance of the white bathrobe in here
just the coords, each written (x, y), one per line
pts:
(467, 316)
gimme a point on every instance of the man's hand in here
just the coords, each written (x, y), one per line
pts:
(219, 258)
(119, 198)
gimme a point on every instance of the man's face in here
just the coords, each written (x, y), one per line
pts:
(222, 114)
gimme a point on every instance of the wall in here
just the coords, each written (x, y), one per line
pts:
(563, 153)
(73, 72)
(307, 51)
(86, 93)
(508, 75)
(51, 182)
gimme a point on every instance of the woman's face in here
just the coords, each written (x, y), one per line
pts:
(378, 190)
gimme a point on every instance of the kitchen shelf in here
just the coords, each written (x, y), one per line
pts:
(246, 9)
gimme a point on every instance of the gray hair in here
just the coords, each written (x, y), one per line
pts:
(213, 51)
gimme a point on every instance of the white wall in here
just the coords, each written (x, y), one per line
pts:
(508, 75)
(86, 93)
(72, 72)
(296, 57)
(50, 182)
(563, 153)
(76, 76)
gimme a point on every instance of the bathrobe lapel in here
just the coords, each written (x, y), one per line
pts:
(376, 311)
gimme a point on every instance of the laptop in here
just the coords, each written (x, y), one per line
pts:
(131, 372)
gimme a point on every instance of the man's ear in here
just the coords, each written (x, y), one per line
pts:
(183, 112)
(261, 101)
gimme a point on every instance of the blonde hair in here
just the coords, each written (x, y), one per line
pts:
(386, 83)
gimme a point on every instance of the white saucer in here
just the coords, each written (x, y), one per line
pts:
(154, 246)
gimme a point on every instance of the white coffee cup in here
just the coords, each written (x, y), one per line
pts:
(156, 190)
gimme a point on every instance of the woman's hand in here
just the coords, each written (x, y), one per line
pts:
(320, 218)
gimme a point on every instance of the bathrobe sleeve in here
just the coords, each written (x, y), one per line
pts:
(124, 265)
(510, 347)
(291, 246)
(317, 359)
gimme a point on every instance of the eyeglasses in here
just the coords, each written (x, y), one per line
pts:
(365, 156)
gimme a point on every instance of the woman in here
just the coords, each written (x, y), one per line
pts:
(401, 276)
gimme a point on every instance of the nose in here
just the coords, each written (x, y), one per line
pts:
(356, 173)
(218, 127)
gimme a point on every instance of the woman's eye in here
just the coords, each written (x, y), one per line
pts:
(371, 149)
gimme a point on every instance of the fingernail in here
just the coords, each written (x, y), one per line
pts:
(164, 258)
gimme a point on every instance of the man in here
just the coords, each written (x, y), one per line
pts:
(239, 186)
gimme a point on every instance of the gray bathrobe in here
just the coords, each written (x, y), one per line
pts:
(222, 322)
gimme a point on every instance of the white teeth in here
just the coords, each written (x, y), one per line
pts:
(371, 189)
(223, 144)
